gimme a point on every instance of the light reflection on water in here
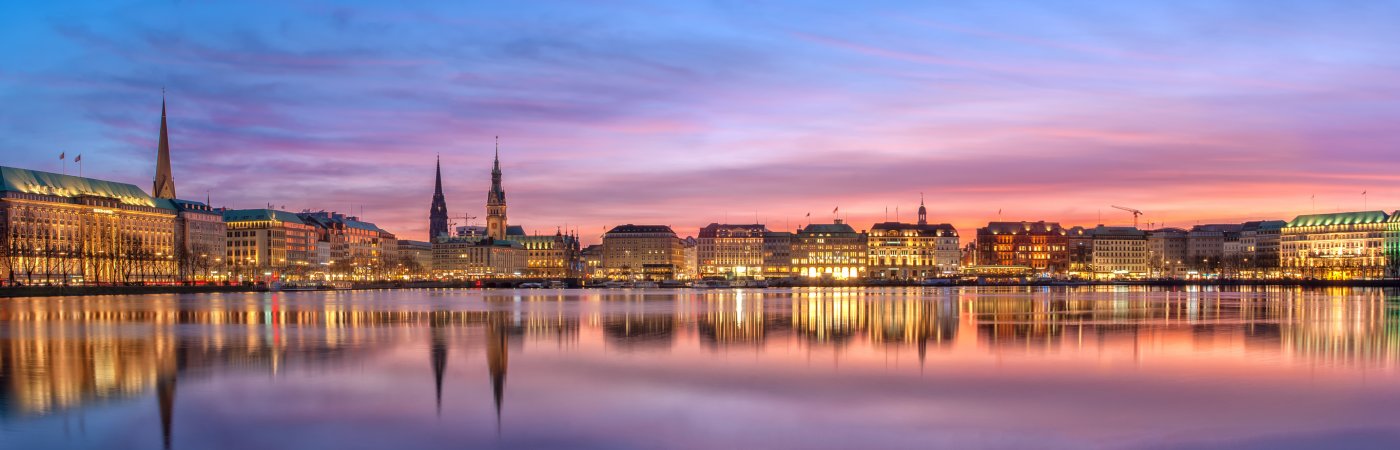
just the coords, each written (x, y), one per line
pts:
(802, 368)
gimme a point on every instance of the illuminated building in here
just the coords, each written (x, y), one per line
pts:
(268, 244)
(1166, 252)
(1081, 251)
(60, 229)
(903, 251)
(1041, 246)
(731, 251)
(1362, 244)
(592, 259)
(833, 251)
(469, 258)
(201, 240)
(777, 254)
(1205, 245)
(437, 212)
(642, 252)
(690, 259)
(551, 255)
(360, 250)
(496, 202)
(415, 257)
(1260, 241)
(1119, 252)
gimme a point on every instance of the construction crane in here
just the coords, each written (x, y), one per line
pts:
(1135, 212)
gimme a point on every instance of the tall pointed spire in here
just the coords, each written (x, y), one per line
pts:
(164, 182)
(437, 213)
(496, 225)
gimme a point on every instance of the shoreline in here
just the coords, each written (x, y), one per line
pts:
(82, 291)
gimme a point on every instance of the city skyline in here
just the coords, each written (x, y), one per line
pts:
(1194, 114)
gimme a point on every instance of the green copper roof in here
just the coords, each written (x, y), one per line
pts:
(46, 183)
(243, 215)
(1346, 218)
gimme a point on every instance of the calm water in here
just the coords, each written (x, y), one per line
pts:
(801, 368)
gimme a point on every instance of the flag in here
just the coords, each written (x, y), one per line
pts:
(1363, 192)
(809, 214)
(78, 159)
(838, 208)
(61, 155)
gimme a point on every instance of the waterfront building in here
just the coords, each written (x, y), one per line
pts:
(1119, 252)
(1081, 251)
(415, 258)
(61, 229)
(496, 202)
(201, 240)
(550, 255)
(642, 252)
(1260, 241)
(1205, 246)
(268, 244)
(904, 251)
(777, 255)
(833, 251)
(1166, 252)
(1361, 244)
(359, 250)
(437, 212)
(690, 259)
(592, 258)
(731, 251)
(469, 258)
(1040, 246)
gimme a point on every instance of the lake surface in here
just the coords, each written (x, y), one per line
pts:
(1096, 367)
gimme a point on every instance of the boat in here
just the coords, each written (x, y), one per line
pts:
(531, 285)
(556, 284)
(647, 285)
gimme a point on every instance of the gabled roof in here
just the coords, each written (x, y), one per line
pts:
(1345, 218)
(46, 183)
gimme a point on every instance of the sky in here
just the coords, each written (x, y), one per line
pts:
(686, 113)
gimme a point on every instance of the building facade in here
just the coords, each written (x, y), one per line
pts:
(1041, 246)
(833, 251)
(1205, 246)
(459, 258)
(731, 251)
(61, 229)
(903, 251)
(268, 245)
(777, 255)
(551, 255)
(1260, 241)
(642, 252)
(201, 241)
(1119, 253)
(1166, 252)
(1362, 244)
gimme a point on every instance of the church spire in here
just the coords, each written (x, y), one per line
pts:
(437, 213)
(164, 182)
(496, 224)
(923, 213)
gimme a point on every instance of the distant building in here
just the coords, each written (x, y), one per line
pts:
(1080, 242)
(415, 258)
(464, 258)
(592, 257)
(642, 252)
(904, 251)
(777, 255)
(1040, 246)
(201, 240)
(1260, 241)
(1119, 252)
(267, 244)
(61, 229)
(731, 251)
(359, 249)
(1346, 245)
(833, 251)
(690, 262)
(551, 255)
(1166, 252)
(1205, 245)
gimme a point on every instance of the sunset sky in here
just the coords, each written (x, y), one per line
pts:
(615, 112)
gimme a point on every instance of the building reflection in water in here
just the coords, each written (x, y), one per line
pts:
(58, 354)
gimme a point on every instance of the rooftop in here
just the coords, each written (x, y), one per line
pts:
(46, 183)
(1341, 218)
(246, 215)
(630, 228)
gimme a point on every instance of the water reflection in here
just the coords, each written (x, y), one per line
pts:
(69, 354)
